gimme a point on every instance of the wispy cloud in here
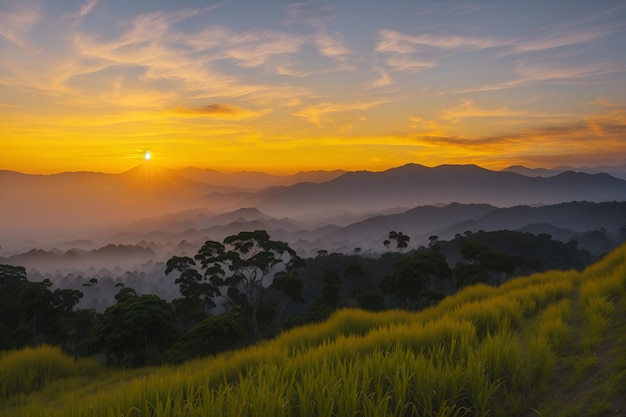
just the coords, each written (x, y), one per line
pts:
(216, 110)
(468, 109)
(597, 136)
(316, 112)
(580, 31)
(383, 79)
(154, 51)
(331, 46)
(87, 7)
(405, 63)
(394, 41)
(16, 23)
(315, 13)
(249, 49)
(529, 73)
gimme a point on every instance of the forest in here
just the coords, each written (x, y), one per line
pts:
(248, 288)
(549, 343)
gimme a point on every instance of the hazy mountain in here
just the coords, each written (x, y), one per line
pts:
(206, 226)
(563, 221)
(618, 171)
(420, 220)
(414, 185)
(68, 204)
(556, 232)
(79, 205)
(534, 172)
(576, 216)
(123, 256)
(254, 181)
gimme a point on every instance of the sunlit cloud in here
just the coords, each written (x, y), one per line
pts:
(217, 110)
(316, 112)
(530, 73)
(251, 49)
(383, 79)
(597, 136)
(394, 41)
(404, 63)
(16, 23)
(468, 109)
(149, 47)
(331, 46)
(87, 7)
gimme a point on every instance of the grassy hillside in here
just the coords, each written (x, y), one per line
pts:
(551, 344)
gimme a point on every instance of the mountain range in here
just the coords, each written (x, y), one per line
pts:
(77, 205)
(563, 221)
(618, 171)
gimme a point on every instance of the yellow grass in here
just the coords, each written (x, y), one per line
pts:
(483, 351)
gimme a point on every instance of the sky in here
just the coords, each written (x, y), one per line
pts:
(282, 86)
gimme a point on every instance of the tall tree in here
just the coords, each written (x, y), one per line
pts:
(197, 290)
(246, 264)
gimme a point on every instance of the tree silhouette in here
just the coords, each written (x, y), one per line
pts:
(433, 241)
(197, 290)
(246, 264)
(402, 240)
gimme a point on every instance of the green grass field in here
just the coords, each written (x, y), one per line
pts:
(551, 344)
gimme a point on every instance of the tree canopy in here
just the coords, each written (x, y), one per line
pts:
(247, 265)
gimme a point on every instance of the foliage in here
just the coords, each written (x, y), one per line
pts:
(482, 264)
(32, 313)
(483, 351)
(213, 335)
(530, 252)
(413, 275)
(402, 240)
(242, 264)
(129, 330)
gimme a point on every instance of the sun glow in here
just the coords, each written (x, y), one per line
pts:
(147, 156)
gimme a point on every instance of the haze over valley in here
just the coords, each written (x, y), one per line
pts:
(85, 221)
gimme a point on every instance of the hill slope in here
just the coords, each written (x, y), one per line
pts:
(548, 344)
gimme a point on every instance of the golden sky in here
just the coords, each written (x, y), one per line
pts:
(282, 86)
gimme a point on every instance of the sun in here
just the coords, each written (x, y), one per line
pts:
(147, 156)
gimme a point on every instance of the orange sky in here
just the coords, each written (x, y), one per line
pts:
(92, 85)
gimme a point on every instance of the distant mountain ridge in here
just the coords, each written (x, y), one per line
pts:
(71, 205)
(564, 221)
(618, 171)
(254, 181)
(412, 185)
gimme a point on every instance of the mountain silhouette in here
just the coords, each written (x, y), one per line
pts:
(72, 205)
(255, 181)
(413, 185)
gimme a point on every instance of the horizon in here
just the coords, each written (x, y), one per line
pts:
(617, 164)
(324, 85)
